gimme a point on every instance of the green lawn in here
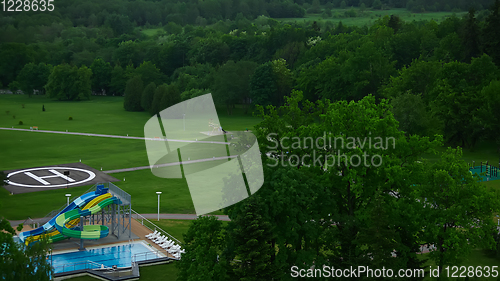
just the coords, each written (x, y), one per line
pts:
(100, 115)
(141, 185)
(369, 17)
(35, 204)
(32, 149)
(175, 227)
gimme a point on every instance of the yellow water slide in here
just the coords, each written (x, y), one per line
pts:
(69, 224)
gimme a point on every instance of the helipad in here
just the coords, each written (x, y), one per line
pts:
(53, 177)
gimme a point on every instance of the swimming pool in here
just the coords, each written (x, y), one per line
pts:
(120, 255)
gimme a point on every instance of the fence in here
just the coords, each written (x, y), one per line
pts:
(79, 266)
(490, 171)
(84, 265)
(151, 226)
(147, 256)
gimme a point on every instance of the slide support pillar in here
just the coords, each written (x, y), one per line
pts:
(82, 248)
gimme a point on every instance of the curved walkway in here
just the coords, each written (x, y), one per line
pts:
(168, 164)
(108, 136)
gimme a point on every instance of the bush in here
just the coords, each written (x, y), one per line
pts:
(70, 118)
(7, 112)
(350, 14)
(21, 122)
(14, 116)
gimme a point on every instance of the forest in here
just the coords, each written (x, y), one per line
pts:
(427, 84)
(420, 66)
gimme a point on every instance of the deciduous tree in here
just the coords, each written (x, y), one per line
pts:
(204, 242)
(101, 76)
(18, 262)
(133, 93)
(69, 83)
(232, 81)
(34, 77)
(148, 96)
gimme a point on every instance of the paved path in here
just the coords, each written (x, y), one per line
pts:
(169, 164)
(180, 217)
(109, 136)
(148, 216)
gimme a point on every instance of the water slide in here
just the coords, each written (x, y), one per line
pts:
(55, 235)
(48, 226)
(88, 231)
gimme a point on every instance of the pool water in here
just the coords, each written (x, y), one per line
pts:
(121, 256)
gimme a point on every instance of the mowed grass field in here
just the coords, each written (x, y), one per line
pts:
(368, 17)
(99, 115)
(103, 115)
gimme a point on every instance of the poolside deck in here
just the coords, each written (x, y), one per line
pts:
(141, 231)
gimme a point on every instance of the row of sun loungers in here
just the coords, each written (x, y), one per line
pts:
(167, 244)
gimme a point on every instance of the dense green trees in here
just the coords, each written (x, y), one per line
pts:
(410, 111)
(263, 88)
(101, 76)
(204, 243)
(231, 84)
(22, 263)
(14, 57)
(148, 96)
(171, 96)
(458, 219)
(350, 76)
(492, 33)
(270, 83)
(68, 82)
(345, 211)
(387, 59)
(34, 77)
(133, 94)
(251, 239)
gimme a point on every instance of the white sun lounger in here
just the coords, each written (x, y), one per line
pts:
(151, 235)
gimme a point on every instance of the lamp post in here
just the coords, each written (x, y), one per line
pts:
(158, 192)
(68, 195)
(183, 120)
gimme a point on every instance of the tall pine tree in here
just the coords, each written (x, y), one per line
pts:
(133, 93)
(148, 96)
(471, 37)
(250, 238)
(491, 33)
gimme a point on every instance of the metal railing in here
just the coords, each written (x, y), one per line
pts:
(88, 264)
(33, 223)
(151, 226)
(83, 265)
(147, 256)
(118, 192)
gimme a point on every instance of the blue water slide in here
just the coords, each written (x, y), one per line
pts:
(77, 203)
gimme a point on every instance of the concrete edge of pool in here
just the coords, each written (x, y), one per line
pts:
(113, 273)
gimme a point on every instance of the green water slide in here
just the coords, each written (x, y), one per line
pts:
(89, 231)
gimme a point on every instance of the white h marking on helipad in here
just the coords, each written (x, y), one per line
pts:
(42, 181)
